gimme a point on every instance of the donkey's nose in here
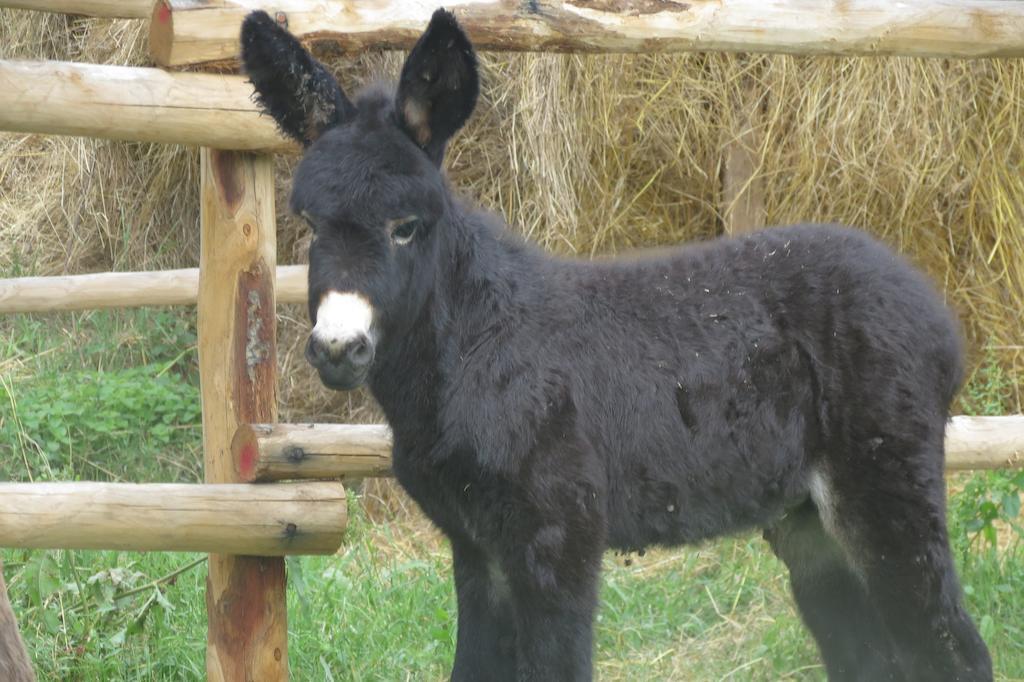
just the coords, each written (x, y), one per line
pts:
(356, 352)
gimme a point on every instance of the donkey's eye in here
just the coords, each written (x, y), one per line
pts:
(403, 233)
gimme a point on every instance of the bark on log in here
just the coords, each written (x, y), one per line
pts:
(199, 31)
(286, 518)
(15, 665)
(245, 596)
(135, 104)
(113, 9)
(274, 452)
(125, 290)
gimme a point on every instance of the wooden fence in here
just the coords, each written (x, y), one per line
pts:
(238, 282)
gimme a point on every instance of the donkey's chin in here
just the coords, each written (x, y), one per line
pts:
(341, 380)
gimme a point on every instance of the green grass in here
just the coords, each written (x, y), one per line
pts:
(383, 607)
(376, 613)
(110, 396)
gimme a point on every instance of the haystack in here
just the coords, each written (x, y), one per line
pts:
(591, 155)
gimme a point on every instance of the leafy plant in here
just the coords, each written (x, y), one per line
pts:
(91, 608)
(988, 501)
(85, 423)
(990, 390)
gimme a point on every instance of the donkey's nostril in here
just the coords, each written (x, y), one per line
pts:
(316, 353)
(360, 351)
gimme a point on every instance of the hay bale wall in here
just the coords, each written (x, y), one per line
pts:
(593, 154)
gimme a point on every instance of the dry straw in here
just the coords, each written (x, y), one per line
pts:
(595, 154)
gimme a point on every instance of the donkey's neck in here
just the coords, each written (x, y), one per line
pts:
(485, 274)
(492, 272)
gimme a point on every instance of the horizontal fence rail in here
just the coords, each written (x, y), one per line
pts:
(114, 9)
(135, 104)
(125, 290)
(272, 452)
(272, 520)
(985, 442)
(184, 32)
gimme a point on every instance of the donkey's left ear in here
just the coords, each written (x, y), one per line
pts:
(439, 85)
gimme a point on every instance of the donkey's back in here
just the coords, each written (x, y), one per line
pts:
(719, 383)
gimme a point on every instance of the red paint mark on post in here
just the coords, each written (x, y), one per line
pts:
(163, 15)
(247, 461)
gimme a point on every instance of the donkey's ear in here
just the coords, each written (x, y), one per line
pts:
(439, 85)
(295, 89)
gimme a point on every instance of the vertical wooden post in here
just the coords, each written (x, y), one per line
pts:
(742, 202)
(14, 662)
(245, 596)
(742, 192)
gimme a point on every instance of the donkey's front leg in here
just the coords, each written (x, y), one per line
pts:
(554, 589)
(485, 645)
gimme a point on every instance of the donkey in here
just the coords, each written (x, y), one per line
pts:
(797, 381)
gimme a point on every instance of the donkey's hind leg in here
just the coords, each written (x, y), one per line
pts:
(891, 518)
(832, 599)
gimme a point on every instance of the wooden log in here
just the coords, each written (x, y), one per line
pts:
(132, 103)
(246, 609)
(126, 290)
(15, 665)
(274, 452)
(199, 31)
(742, 192)
(985, 443)
(742, 206)
(286, 518)
(113, 9)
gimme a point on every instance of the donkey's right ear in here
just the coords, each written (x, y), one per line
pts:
(295, 89)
